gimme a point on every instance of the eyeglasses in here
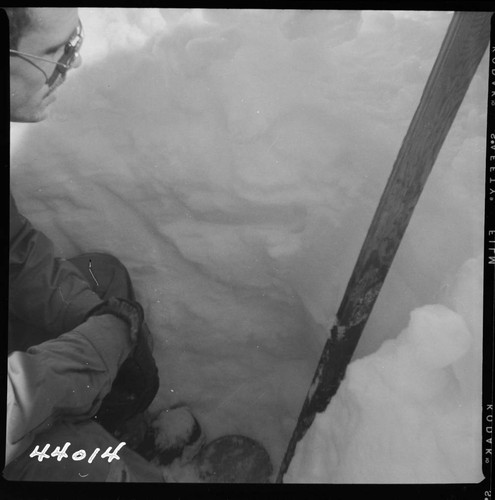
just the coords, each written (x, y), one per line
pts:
(71, 51)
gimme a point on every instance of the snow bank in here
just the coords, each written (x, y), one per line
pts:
(409, 413)
(233, 161)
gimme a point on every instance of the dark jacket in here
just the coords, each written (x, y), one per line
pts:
(45, 291)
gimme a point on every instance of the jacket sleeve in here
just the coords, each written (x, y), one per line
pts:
(44, 290)
(65, 377)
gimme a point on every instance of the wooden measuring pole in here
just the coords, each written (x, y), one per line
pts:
(464, 44)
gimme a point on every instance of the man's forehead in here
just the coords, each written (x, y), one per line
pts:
(52, 25)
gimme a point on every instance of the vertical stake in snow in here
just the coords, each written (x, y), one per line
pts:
(460, 54)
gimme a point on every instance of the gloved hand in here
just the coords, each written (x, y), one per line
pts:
(129, 311)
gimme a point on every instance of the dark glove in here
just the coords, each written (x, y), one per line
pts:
(129, 311)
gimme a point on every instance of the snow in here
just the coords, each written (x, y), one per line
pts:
(405, 414)
(233, 161)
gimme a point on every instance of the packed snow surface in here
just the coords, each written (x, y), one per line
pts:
(233, 161)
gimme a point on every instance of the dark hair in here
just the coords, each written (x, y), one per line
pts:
(19, 20)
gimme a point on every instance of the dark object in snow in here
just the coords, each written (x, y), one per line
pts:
(133, 431)
(175, 440)
(463, 47)
(234, 459)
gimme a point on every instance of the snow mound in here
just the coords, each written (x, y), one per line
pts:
(409, 412)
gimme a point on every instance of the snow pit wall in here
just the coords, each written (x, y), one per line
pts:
(233, 161)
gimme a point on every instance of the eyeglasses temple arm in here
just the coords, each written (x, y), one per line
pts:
(12, 51)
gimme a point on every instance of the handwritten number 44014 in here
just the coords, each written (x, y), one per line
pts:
(60, 453)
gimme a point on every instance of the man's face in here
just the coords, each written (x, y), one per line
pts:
(46, 36)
